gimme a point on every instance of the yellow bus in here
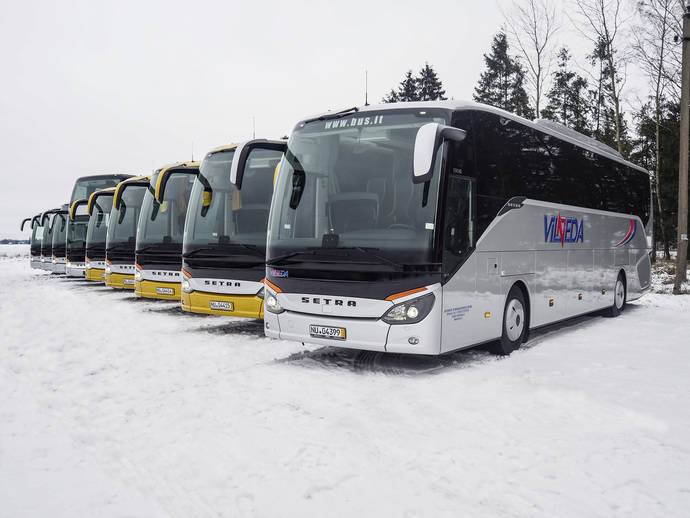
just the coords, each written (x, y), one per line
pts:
(223, 260)
(159, 232)
(122, 232)
(99, 207)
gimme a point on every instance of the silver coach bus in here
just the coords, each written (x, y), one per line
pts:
(430, 227)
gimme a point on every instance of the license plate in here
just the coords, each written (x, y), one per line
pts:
(165, 291)
(127, 281)
(222, 305)
(337, 333)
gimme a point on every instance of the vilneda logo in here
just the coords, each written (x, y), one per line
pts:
(564, 230)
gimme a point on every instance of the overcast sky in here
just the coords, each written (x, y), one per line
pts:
(123, 87)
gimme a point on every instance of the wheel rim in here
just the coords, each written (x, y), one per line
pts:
(620, 293)
(514, 319)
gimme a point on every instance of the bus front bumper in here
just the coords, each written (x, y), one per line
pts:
(95, 274)
(246, 306)
(73, 269)
(120, 280)
(370, 334)
(157, 290)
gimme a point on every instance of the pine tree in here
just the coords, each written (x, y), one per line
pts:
(568, 97)
(502, 83)
(429, 85)
(408, 90)
(392, 97)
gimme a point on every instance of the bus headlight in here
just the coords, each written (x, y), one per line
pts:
(138, 275)
(108, 270)
(87, 266)
(271, 304)
(261, 293)
(411, 311)
(186, 286)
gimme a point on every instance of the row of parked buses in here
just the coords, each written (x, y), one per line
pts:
(413, 228)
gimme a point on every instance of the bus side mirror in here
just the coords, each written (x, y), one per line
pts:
(426, 145)
(24, 223)
(78, 208)
(164, 177)
(239, 159)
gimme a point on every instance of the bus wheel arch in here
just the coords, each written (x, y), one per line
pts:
(515, 320)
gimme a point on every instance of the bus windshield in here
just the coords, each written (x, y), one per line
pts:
(36, 239)
(98, 221)
(85, 187)
(162, 223)
(222, 216)
(47, 241)
(59, 232)
(76, 233)
(346, 183)
(122, 230)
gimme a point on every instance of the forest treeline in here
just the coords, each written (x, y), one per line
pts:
(530, 72)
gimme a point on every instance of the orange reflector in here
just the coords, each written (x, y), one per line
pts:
(487, 314)
(272, 286)
(88, 259)
(404, 293)
(109, 262)
(550, 302)
(186, 273)
(138, 266)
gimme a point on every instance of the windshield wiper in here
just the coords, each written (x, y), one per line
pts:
(335, 115)
(368, 251)
(222, 250)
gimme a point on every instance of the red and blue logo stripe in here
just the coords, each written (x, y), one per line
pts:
(629, 236)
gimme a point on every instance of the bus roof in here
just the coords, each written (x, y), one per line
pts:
(103, 176)
(226, 147)
(545, 126)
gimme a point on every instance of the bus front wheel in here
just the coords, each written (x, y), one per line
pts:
(514, 323)
(620, 293)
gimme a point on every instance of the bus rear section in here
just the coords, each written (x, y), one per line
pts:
(99, 207)
(425, 228)
(75, 243)
(122, 232)
(59, 240)
(223, 260)
(158, 255)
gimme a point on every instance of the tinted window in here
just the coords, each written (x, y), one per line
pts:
(516, 160)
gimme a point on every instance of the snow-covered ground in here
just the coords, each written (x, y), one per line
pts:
(117, 407)
(14, 250)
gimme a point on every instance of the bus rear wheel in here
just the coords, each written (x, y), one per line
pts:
(620, 293)
(514, 323)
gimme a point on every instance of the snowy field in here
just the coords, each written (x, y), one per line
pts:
(14, 251)
(116, 407)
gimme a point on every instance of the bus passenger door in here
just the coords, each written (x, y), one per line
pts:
(461, 324)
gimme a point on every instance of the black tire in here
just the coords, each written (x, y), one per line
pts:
(620, 296)
(514, 324)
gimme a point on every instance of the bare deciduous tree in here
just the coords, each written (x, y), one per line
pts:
(658, 55)
(601, 22)
(532, 25)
